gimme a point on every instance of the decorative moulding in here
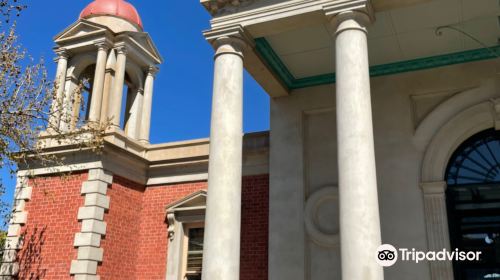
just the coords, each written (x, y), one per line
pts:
(273, 60)
(313, 205)
(191, 205)
(214, 7)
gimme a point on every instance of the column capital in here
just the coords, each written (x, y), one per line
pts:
(152, 70)
(61, 54)
(232, 39)
(434, 188)
(121, 49)
(359, 10)
(102, 44)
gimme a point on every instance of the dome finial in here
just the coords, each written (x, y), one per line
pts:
(118, 8)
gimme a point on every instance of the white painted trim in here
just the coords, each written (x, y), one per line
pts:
(61, 169)
(178, 179)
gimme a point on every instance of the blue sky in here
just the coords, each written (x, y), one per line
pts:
(183, 88)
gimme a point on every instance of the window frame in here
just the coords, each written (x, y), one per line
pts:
(182, 215)
(185, 249)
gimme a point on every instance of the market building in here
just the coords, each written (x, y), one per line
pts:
(384, 129)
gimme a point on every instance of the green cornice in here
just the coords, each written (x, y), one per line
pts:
(271, 57)
(276, 64)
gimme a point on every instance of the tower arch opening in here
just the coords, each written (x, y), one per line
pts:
(83, 97)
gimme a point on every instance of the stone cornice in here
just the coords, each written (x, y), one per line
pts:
(283, 16)
(213, 6)
(133, 48)
(281, 10)
(147, 164)
(284, 10)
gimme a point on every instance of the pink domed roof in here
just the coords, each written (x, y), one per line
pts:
(117, 8)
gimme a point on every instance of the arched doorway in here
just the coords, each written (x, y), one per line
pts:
(473, 201)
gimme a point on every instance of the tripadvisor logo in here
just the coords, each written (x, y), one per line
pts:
(387, 255)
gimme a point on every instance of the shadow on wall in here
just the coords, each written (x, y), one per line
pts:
(30, 258)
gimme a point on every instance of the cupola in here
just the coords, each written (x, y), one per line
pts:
(107, 11)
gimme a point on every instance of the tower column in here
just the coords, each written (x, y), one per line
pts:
(221, 259)
(108, 84)
(147, 105)
(98, 87)
(133, 116)
(57, 103)
(117, 90)
(359, 208)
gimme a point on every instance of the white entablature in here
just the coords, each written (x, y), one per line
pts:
(83, 34)
(214, 6)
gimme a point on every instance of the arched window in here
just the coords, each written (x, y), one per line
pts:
(473, 199)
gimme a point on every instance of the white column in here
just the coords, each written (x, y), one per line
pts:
(65, 123)
(221, 259)
(117, 90)
(359, 209)
(57, 103)
(147, 105)
(134, 105)
(98, 85)
(108, 84)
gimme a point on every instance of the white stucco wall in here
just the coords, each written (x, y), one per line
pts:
(302, 160)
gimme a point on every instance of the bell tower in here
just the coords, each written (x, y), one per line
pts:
(106, 71)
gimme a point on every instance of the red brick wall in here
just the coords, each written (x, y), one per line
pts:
(254, 246)
(135, 245)
(122, 232)
(153, 245)
(254, 228)
(51, 227)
